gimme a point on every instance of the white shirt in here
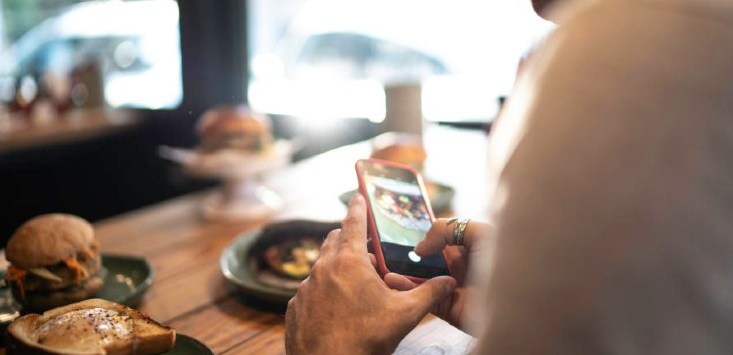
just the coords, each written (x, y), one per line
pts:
(613, 194)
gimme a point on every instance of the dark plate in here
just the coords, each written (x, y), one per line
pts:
(127, 280)
(238, 263)
(186, 345)
(9, 309)
(440, 198)
(234, 263)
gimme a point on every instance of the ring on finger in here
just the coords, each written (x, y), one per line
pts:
(459, 231)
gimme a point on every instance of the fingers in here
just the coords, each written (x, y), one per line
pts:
(435, 238)
(455, 257)
(430, 293)
(354, 225)
(290, 311)
(398, 282)
(290, 325)
(441, 232)
(353, 229)
(330, 243)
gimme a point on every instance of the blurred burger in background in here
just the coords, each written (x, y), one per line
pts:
(234, 127)
(54, 260)
(400, 148)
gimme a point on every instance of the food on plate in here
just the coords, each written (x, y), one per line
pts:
(285, 251)
(54, 260)
(234, 127)
(400, 148)
(293, 258)
(93, 326)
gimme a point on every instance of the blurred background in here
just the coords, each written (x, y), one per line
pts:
(90, 89)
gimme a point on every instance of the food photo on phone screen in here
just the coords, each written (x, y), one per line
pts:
(399, 216)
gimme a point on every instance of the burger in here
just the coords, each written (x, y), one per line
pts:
(400, 148)
(54, 260)
(236, 128)
(410, 154)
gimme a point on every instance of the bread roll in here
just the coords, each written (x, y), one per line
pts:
(48, 239)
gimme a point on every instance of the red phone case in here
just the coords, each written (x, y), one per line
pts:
(371, 226)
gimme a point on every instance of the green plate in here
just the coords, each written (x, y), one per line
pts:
(440, 200)
(234, 263)
(9, 309)
(186, 345)
(127, 279)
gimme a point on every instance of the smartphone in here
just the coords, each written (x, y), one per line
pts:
(399, 215)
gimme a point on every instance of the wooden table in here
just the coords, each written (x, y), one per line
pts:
(189, 292)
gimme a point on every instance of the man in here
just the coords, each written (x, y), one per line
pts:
(612, 203)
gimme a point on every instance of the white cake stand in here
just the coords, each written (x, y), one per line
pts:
(242, 196)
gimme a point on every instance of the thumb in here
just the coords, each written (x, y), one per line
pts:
(430, 293)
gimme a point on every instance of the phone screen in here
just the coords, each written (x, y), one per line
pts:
(402, 217)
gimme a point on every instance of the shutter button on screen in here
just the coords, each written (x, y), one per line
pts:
(413, 256)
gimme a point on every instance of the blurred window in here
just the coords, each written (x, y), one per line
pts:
(326, 59)
(131, 47)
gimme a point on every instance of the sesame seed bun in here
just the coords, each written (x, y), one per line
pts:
(48, 239)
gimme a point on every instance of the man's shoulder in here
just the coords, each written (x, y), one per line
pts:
(716, 10)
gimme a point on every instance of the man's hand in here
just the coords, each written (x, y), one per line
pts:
(344, 307)
(478, 235)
